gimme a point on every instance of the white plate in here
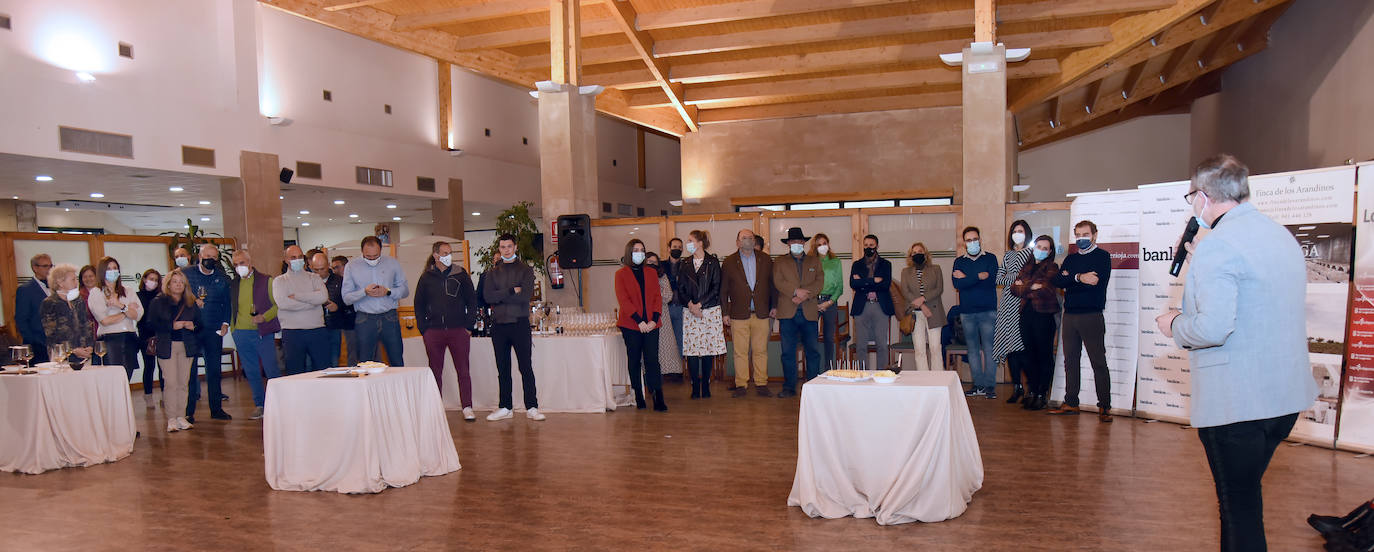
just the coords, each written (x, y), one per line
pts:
(46, 365)
(878, 379)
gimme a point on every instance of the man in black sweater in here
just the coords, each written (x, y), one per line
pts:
(1083, 277)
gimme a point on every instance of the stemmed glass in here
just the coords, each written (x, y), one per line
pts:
(101, 350)
(22, 353)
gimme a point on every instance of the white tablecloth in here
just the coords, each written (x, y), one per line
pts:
(900, 452)
(355, 435)
(573, 373)
(66, 419)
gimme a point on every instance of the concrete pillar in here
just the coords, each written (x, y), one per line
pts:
(448, 213)
(17, 215)
(567, 165)
(989, 150)
(252, 209)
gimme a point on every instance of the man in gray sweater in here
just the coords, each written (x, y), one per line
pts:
(506, 288)
(299, 294)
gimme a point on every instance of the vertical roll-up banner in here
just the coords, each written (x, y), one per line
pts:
(1163, 385)
(1357, 402)
(1117, 216)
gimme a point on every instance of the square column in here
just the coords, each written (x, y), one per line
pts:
(989, 149)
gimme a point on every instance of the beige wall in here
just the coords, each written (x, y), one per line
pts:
(914, 149)
(1144, 150)
(1305, 101)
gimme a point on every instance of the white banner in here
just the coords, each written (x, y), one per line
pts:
(1163, 388)
(1117, 215)
(1357, 403)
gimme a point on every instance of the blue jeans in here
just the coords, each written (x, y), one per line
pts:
(798, 330)
(258, 357)
(372, 328)
(675, 314)
(298, 344)
(333, 340)
(979, 328)
(211, 350)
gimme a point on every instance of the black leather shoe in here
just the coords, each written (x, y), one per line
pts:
(191, 420)
(221, 415)
(1329, 525)
(786, 394)
(659, 405)
(1017, 392)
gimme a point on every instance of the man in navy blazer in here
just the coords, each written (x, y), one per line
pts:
(1244, 326)
(27, 301)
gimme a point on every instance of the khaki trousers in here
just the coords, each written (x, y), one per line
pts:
(751, 335)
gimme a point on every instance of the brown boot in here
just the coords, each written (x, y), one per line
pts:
(1104, 417)
(1064, 409)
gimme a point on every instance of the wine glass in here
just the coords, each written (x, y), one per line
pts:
(26, 354)
(57, 353)
(101, 350)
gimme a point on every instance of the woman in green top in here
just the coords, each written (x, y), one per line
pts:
(830, 294)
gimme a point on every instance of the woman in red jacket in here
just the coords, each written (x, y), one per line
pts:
(641, 307)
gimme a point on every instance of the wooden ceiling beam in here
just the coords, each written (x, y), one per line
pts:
(590, 56)
(1180, 35)
(1056, 111)
(488, 9)
(1253, 43)
(624, 80)
(827, 107)
(1133, 76)
(336, 5)
(531, 35)
(749, 9)
(1167, 102)
(615, 103)
(707, 94)
(985, 20)
(816, 62)
(1060, 9)
(1172, 65)
(1127, 33)
(624, 15)
(1090, 100)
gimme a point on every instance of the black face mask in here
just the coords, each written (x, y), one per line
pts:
(919, 259)
(870, 251)
(208, 264)
(675, 253)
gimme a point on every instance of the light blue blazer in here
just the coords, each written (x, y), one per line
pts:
(1244, 322)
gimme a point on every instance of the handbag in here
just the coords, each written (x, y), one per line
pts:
(151, 348)
(906, 320)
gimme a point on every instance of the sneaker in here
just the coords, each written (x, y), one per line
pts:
(763, 391)
(468, 415)
(535, 414)
(172, 426)
(974, 392)
(221, 415)
(183, 424)
(257, 414)
(499, 414)
(148, 401)
(991, 393)
(739, 392)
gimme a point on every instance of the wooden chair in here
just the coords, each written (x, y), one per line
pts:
(234, 370)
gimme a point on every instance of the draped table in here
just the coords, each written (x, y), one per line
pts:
(66, 419)
(898, 452)
(355, 435)
(581, 374)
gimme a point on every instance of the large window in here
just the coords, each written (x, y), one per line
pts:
(854, 204)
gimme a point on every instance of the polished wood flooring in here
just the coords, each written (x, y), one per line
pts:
(708, 475)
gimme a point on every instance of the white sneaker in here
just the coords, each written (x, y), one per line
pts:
(257, 414)
(148, 401)
(468, 415)
(535, 415)
(499, 414)
(183, 423)
(173, 426)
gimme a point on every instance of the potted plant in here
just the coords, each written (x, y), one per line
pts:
(515, 221)
(193, 238)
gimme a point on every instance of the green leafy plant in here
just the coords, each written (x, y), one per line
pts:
(515, 221)
(193, 238)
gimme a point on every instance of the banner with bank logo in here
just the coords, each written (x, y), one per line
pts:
(1357, 397)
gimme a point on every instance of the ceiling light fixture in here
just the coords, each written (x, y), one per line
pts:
(391, 206)
(304, 212)
(43, 178)
(205, 219)
(476, 214)
(305, 224)
(353, 215)
(338, 202)
(176, 189)
(203, 202)
(97, 195)
(84, 76)
(395, 218)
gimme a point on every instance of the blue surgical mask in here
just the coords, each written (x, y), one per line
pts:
(111, 275)
(691, 248)
(1202, 222)
(1083, 244)
(509, 259)
(296, 264)
(182, 262)
(974, 248)
(1041, 255)
(637, 257)
(796, 248)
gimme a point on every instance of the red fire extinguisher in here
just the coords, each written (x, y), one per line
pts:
(555, 273)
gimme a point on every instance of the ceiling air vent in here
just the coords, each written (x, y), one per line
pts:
(373, 177)
(4, 22)
(306, 169)
(200, 157)
(95, 142)
(424, 184)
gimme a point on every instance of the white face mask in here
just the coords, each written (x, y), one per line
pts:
(182, 262)
(796, 248)
(823, 249)
(372, 262)
(72, 294)
(243, 271)
(691, 248)
(149, 285)
(509, 259)
(1018, 238)
(297, 265)
(446, 260)
(637, 257)
(112, 276)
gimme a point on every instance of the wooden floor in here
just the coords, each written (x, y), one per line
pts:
(709, 475)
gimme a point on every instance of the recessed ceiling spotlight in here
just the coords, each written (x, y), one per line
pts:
(338, 202)
(353, 215)
(176, 189)
(304, 212)
(395, 218)
(476, 214)
(205, 219)
(203, 202)
(43, 178)
(97, 195)
(391, 206)
(281, 197)
(305, 224)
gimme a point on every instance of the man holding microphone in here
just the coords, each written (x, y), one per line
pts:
(1243, 324)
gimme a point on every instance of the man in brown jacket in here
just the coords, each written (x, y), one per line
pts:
(746, 294)
(798, 279)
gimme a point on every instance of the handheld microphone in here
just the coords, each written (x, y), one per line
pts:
(1181, 253)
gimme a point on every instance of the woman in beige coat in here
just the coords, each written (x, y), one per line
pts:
(922, 285)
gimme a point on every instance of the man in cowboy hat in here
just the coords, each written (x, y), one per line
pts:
(798, 279)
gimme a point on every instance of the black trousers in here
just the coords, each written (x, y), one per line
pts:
(149, 367)
(1238, 455)
(1018, 363)
(642, 349)
(122, 349)
(1086, 331)
(504, 338)
(1037, 334)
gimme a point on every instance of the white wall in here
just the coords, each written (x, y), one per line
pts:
(49, 216)
(1145, 150)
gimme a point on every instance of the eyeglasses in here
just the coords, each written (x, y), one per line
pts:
(1188, 197)
(49, 265)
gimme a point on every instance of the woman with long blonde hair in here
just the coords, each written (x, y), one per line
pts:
(922, 285)
(173, 315)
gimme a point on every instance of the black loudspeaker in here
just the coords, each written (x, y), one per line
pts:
(286, 175)
(575, 241)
